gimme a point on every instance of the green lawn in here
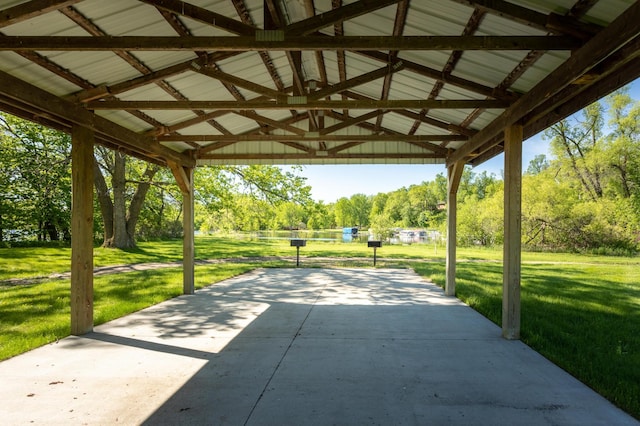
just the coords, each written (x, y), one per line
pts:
(582, 312)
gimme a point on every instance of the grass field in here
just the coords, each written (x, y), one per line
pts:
(581, 312)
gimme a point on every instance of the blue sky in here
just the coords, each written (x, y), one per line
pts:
(330, 182)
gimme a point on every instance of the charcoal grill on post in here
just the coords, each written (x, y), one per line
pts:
(375, 244)
(297, 243)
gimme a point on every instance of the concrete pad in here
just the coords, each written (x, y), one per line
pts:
(299, 347)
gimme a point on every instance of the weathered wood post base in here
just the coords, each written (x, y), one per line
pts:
(512, 232)
(82, 231)
(184, 178)
(454, 174)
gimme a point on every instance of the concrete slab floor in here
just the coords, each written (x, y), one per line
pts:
(299, 347)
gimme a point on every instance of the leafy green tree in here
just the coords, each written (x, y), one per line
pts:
(343, 211)
(546, 210)
(623, 145)
(381, 226)
(246, 197)
(122, 184)
(161, 215)
(321, 216)
(289, 215)
(481, 220)
(398, 208)
(378, 203)
(36, 176)
(537, 165)
(360, 209)
(9, 187)
(577, 144)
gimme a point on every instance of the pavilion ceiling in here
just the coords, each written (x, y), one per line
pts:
(311, 81)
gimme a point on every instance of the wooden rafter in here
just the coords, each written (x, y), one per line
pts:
(31, 9)
(552, 22)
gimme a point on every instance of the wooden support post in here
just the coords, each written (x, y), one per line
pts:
(82, 230)
(184, 178)
(512, 232)
(454, 174)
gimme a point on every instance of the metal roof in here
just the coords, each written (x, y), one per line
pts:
(311, 81)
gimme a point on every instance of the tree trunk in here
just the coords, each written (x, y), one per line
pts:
(121, 237)
(120, 222)
(51, 230)
(137, 202)
(106, 206)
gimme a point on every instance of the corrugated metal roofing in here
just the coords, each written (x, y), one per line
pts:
(248, 79)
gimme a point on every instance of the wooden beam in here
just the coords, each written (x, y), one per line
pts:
(454, 174)
(445, 78)
(82, 231)
(336, 16)
(422, 158)
(310, 136)
(297, 102)
(343, 147)
(553, 22)
(356, 81)
(613, 38)
(512, 232)
(416, 116)
(240, 82)
(270, 122)
(158, 75)
(264, 42)
(202, 15)
(31, 9)
(351, 122)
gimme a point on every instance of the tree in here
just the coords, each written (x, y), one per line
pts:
(246, 197)
(343, 211)
(576, 143)
(623, 144)
(36, 178)
(320, 216)
(480, 220)
(585, 198)
(161, 216)
(289, 216)
(360, 208)
(122, 201)
(398, 208)
(377, 205)
(537, 165)
(547, 204)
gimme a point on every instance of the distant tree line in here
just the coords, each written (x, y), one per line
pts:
(585, 196)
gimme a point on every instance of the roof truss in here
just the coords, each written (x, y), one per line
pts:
(327, 87)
